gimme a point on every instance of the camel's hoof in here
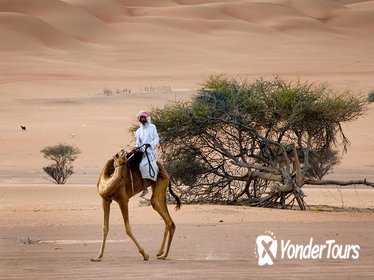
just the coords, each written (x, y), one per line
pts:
(96, 260)
(146, 257)
(160, 253)
(161, 257)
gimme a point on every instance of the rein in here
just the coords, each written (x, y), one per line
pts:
(151, 170)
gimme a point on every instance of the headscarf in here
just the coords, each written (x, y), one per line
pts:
(144, 114)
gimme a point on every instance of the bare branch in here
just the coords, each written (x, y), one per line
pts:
(287, 187)
(267, 176)
(256, 166)
(306, 154)
(340, 183)
(297, 168)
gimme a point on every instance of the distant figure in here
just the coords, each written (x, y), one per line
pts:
(23, 127)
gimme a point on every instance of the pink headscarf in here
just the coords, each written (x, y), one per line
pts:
(143, 114)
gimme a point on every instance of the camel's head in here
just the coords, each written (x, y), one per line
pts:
(120, 158)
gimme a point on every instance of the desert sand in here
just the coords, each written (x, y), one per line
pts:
(78, 71)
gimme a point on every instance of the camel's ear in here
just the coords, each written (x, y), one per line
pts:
(122, 153)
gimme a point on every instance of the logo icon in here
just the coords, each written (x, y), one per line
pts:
(267, 246)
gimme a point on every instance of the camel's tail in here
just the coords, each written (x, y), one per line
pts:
(179, 203)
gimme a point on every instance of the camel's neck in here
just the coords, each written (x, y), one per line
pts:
(111, 179)
(118, 170)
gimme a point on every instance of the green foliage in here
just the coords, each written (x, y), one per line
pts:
(252, 122)
(371, 96)
(178, 163)
(63, 155)
(321, 162)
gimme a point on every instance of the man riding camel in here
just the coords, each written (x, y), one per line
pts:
(147, 139)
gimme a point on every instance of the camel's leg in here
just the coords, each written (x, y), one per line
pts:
(123, 204)
(158, 201)
(106, 208)
(166, 231)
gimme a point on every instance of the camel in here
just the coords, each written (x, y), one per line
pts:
(119, 183)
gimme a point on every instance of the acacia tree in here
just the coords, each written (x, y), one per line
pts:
(259, 141)
(63, 156)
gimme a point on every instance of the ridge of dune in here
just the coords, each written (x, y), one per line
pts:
(114, 22)
(197, 19)
(250, 17)
(64, 17)
(112, 11)
(260, 12)
(201, 2)
(147, 3)
(357, 19)
(34, 33)
(209, 12)
(280, 17)
(317, 9)
(362, 5)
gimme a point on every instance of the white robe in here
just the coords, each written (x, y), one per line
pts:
(147, 134)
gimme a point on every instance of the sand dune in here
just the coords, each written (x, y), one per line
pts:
(318, 9)
(90, 21)
(73, 49)
(112, 11)
(357, 21)
(34, 33)
(63, 17)
(147, 3)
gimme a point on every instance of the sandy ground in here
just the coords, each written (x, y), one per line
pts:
(50, 232)
(59, 58)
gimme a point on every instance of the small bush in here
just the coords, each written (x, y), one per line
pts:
(371, 96)
(63, 156)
